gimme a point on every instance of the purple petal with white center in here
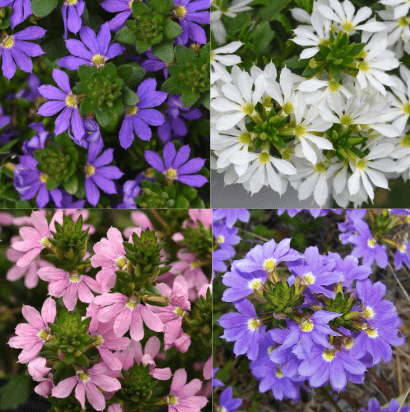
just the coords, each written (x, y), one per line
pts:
(72, 63)
(203, 17)
(31, 49)
(106, 157)
(52, 93)
(8, 66)
(104, 184)
(114, 50)
(154, 160)
(110, 172)
(77, 125)
(23, 62)
(192, 166)
(77, 48)
(182, 156)
(169, 153)
(51, 108)
(93, 151)
(144, 92)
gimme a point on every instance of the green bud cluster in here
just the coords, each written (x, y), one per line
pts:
(195, 75)
(70, 243)
(56, 164)
(154, 197)
(69, 404)
(203, 312)
(148, 28)
(199, 241)
(280, 298)
(342, 303)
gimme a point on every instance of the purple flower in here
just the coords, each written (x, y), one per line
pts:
(348, 227)
(38, 141)
(290, 212)
(115, 6)
(402, 255)
(98, 174)
(350, 269)
(243, 328)
(29, 181)
(394, 406)
(329, 364)
(225, 237)
(153, 64)
(189, 14)
(15, 50)
(94, 50)
(70, 117)
(226, 401)
(92, 134)
(32, 92)
(21, 9)
(72, 11)
(139, 117)
(174, 124)
(4, 120)
(215, 381)
(175, 165)
(218, 257)
(231, 215)
(367, 246)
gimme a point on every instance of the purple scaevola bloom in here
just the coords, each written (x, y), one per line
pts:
(98, 174)
(374, 406)
(72, 11)
(328, 364)
(69, 203)
(243, 328)
(175, 165)
(122, 7)
(350, 269)
(4, 120)
(382, 324)
(190, 14)
(38, 141)
(21, 9)
(130, 191)
(15, 49)
(225, 237)
(215, 381)
(29, 181)
(290, 212)
(59, 100)
(153, 64)
(139, 117)
(92, 134)
(367, 247)
(174, 124)
(32, 92)
(348, 227)
(218, 257)
(316, 271)
(231, 215)
(402, 255)
(226, 401)
(93, 50)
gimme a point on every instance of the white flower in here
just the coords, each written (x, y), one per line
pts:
(366, 168)
(222, 57)
(401, 99)
(343, 13)
(398, 28)
(402, 152)
(401, 7)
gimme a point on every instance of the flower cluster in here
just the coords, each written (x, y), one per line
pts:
(307, 319)
(115, 320)
(109, 83)
(328, 114)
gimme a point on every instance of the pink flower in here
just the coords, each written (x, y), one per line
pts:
(29, 272)
(87, 383)
(110, 256)
(107, 341)
(181, 398)
(141, 221)
(202, 215)
(31, 337)
(37, 369)
(129, 313)
(115, 407)
(34, 239)
(134, 353)
(208, 369)
(6, 219)
(69, 286)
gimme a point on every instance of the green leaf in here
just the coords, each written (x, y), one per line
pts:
(5, 21)
(125, 35)
(205, 52)
(85, 71)
(142, 46)
(281, 18)
(52, 183)
(118, 108)
(131, 73)
(171, 29)
(356, 49)
(181, 203)
(125, 72)
(262, 36)
(305, 5)
(162, 6)
(171, 86)
(184, 55)
(42, 8)
(164, 51)
(138, 7)
(206, 100)
(6, 148)
(336, 72)
(189, 192)
(15, 392)
(103, 118)
(109, 69)
(71, 185)
(130, 98)
(189, 97)
(86, 106)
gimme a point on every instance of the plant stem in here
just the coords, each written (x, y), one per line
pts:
(253, 234)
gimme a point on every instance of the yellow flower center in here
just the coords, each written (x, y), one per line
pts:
(212, 56)
(288, 108)
(98, 60)
(279, 373)
(371, 243)
(346, 120)
(255, 284)
(172, 400)
(83, 376)
(8, 42)
(324, 42)
(195, 264)
(71, 101)
(45, 242)
(328, 355)
(75, 277)
(361, 164)
(404, 21)
(149, 173)
(132, 110)
(348, 26)
(180, 11)
(300, 130)
(170, 174)
(306, 325)
(89, 170)
(334, 86)
(43, 335)
(405, 141)
(369, 312)
(178, 311)
(362, 54)
(349, 343)
(372, 333)
(269, 265)
(403, 248)
(220, 239)
(264, 157)
(253, 324)
(248, 108)
(364, 66)
(43, 177)
(121, 262)
(320, 167)
(98, 340)
(132, 303)
(406, 108)
(309, 279)
(245, 138)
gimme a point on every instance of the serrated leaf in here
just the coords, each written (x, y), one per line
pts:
(162, 6)
(129, 97)
(171, 29)
(262, 36)
(142, 46)
(42, 8)
(164, 51)
(52, 183)
(171, 86)
(103, 118)
(85, 71)
(125, 35)
(189, 97)
(138, 7)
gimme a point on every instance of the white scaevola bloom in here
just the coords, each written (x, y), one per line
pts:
(344, 14)
(239, 101)
(398, 29)
(300, 15)
(368, 168)
(304, 128)
(401, 7)
(376, 60)
(315, 35)
(402, 153)
(261, 172)
(401, 98)
(223, 57)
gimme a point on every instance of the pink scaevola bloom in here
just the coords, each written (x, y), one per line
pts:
(115, 407)
(110, 256)
(31, 337)
(208, 369)
(202, 215)
(6, 219)
(69, 286)
(204, 289)
(87, 382)
(181, 398)
(141, 221)
(129, 314)
(107, 342)
(134, 353)
(29, 272)
(40, 372)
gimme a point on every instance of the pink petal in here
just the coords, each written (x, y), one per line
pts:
(84, 294)
(151, 319)
(94, 396)
(122, 322)
(115, 238)
(29, 234)
(172, 330)
(152, 346)
(182, 343)
(179, 380)
(190, 388)
(109, 298)
(15, 273)
(29, 257)
(57, 289)
(40, 223)
(49, 311)
(110, 359)
(52, 274)
(110, 312)
(91, 283)
(161, 374)
(31, 279)
(70, 296)
(106, 383)
(137, 328)
(32, 316)
(64, 388)
(80, 394)
(29, 355)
